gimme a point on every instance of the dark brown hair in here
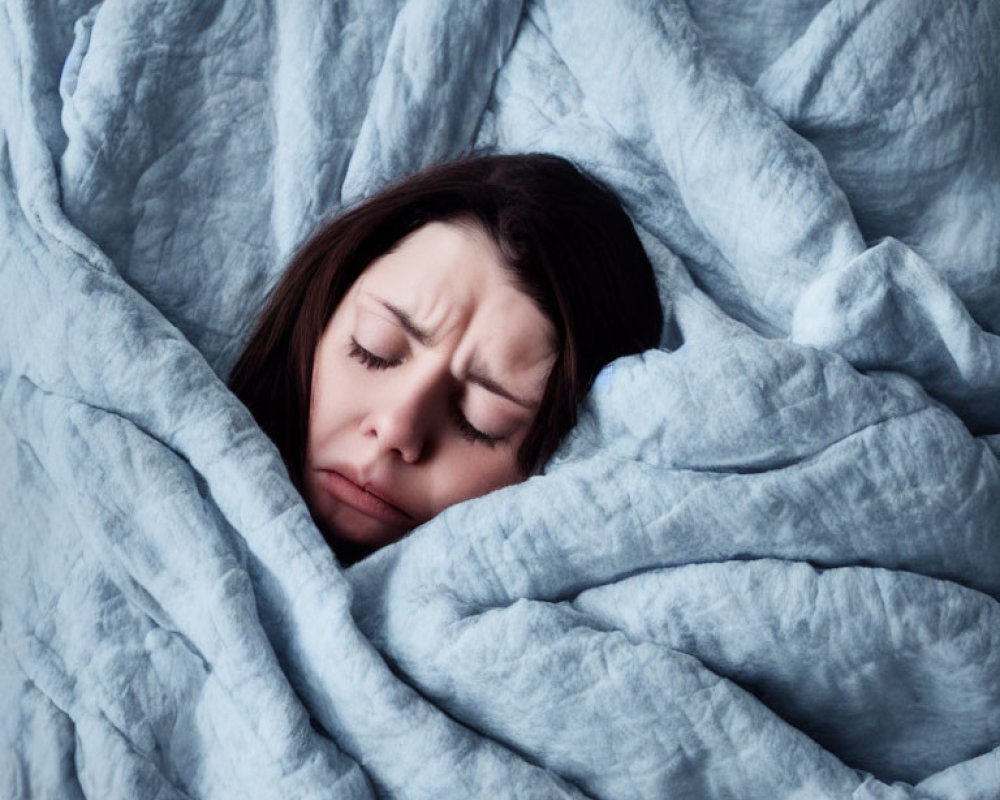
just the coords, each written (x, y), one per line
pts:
(565, 238)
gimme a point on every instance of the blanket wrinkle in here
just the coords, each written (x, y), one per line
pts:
(865, 310)
(793, 694)
(426, 68)
(943, 118)
(753, 34)
(764, 564)
(692, 83)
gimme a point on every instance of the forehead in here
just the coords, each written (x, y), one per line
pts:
(445, 270)
(459, 253)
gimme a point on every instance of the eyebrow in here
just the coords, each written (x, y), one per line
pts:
(491, 385)
(406, 322)
(424, 337)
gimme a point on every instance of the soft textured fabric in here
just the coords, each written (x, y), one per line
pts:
(766, 563)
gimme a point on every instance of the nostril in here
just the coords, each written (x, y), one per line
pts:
(398, 433)
(408, 456)
(413, 450)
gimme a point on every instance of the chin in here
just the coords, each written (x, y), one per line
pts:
(351, 549)
(353, 539)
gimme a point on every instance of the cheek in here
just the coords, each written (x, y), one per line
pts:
(330, 407)
(464, 475)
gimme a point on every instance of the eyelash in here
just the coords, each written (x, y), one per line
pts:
(468, 431)
(369, 359)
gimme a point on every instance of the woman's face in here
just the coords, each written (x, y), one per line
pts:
(425, 383)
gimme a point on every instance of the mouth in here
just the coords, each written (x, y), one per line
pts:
(367, 499)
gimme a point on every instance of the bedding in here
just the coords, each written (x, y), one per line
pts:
(764, 564)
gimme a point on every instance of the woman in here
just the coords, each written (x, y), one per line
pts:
(433, 344)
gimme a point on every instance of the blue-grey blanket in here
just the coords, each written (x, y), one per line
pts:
(765, 565)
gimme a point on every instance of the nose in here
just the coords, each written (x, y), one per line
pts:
(403, 423)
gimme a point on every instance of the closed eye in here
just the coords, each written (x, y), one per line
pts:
(368, 359)
(470, 432)
(467, 430)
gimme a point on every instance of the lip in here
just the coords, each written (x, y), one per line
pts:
(366, 498)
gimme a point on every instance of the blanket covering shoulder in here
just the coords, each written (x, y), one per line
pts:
(766, 563)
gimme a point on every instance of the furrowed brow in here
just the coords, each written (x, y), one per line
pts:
(479, 378)
(407, 324)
